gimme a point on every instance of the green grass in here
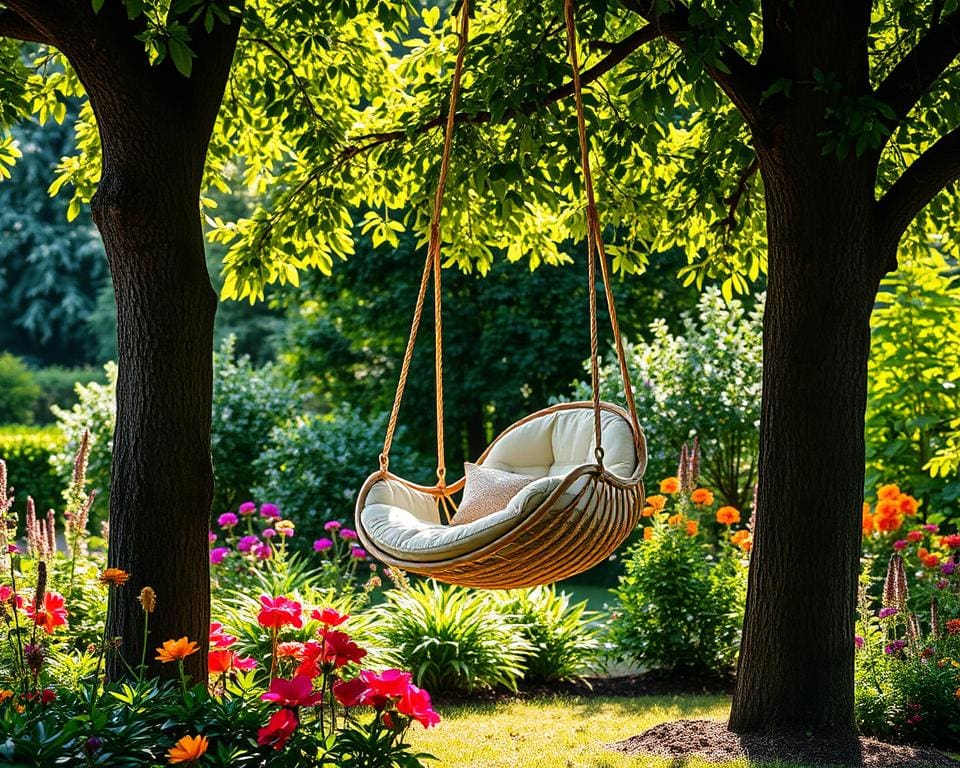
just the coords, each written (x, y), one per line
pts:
(564, 732)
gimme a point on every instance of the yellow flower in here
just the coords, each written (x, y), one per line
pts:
(176, 650)
(702, 496)
(148, 599)
(670, 485)
(114, 577)
(284, 525)
(188, 750)
(888, 492)
(728, 515)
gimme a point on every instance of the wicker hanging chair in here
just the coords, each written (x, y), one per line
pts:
(585, 460)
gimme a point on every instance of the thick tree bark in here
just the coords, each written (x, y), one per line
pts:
(796, 663)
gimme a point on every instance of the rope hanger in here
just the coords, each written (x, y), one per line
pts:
(432, 267)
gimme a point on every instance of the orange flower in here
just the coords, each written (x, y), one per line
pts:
(702, 496)
(867, 520)
(188, 750)
(728, 515)
(176, 650)
(148, 599)
(888, 491)
(953, 627)
(887, 507)
(657, 502)
(5, 694)
(675, 520)
(691, 527)
(114, 577)
(742, 539)
(908, 505)
(648, 511)
(669, 485)
(647, 534)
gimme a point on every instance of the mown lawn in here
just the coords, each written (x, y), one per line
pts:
(563, 732)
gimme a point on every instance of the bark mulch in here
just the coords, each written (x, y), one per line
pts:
(711, 741)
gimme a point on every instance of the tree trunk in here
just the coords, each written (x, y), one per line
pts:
(162, 479)
(796, 663)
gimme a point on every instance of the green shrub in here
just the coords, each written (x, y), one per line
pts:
(316, 464)
(704, 381)
(451, 638)
(681, 599)
(58, 386)
(28, 452)
(248, 404)
(19, 391)
(564, 638)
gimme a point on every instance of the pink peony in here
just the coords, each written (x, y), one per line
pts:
(279, 612)
(297, 692)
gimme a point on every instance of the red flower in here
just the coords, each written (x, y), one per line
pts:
(334, 648)
(291, 650)
(52, 615)
(389, 721)
(416, 703)
(297, 692)
(953, 627)
(329, 616)
(219, 638)
(47, 696)
(915, 536)
(391, 683)
(279, 612)
(951, 542)
(220, 661)
(349, 692)
(278, 729)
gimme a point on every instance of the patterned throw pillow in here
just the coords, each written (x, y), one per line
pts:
(487, 491)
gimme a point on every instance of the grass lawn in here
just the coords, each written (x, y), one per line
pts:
(563, 732)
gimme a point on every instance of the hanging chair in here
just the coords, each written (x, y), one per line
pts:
(578, 467)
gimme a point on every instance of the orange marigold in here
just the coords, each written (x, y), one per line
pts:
(742, 539)
(5, 694)
(908, 505)
(675, 520)
(888, 523)
(649, 511)
(114, 577)
(888, 491)
(658, 502)
(647, 534)
(888, 507)
(691, 527)
(176, 650)
(728, 515)
(702, 496)
(867, 520)
(188, 750)
(953, 627)
(669, 485)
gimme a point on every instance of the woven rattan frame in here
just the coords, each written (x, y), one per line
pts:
(552, 542)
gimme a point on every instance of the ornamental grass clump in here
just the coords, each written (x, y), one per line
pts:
(679, 604)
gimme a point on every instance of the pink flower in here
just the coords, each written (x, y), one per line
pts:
(858, 641)
(247, 508)
(269, 512)
(391, 683)
(332, 525)
(349, 692)
(322, 545)
(886, 613)
(279, 612)
(347, 534)
(329, 616)
(901, 544)
(415, 703)
(246, 543)
(268, 533)
(244, 663)
(5, 593)
(217, 554)
(357, 553)
(280, 727)
(212, 537)
(227, 520)
(51, 615)
(262, 551)
(297, 692)
(219, 638)
(932, 527)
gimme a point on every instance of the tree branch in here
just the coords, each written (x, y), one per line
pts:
(736, 76)
(15, 26)
(920, 68)
(617, 53)
(935, 169)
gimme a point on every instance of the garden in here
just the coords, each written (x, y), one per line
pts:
(665, 472)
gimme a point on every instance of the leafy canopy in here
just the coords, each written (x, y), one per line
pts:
(332, 108)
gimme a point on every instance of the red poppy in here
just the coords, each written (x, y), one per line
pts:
(278, 729)
(53, 614)
(297, 692)
(279, 612)
(349, 692)
(329, 616)
(392, 683)
(335, 649)
(220, 661)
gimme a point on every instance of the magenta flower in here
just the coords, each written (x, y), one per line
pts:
(887, 612)
(247, 543)
(13, 549)
(943, 584)
(901, 544)
(269, 512)
(931, 527)
(415, 702)
(279, 612)
(287, 532)
(217, 554)
(268, 533)
(858, 641)
(332, 525)
(297, 692)
(346, 533)
(322, 545)
(247, 508)
(212, 537)
(358, 553)
(227, 520)
(948, 568)
(262, 551)
(895, 647)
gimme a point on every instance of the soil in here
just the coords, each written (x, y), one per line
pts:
(711, 741)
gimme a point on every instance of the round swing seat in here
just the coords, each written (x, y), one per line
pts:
(572, 515)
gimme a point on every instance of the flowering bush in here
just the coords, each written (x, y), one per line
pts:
(680, 601)
(908, 662)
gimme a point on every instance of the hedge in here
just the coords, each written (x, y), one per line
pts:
(27, 451)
